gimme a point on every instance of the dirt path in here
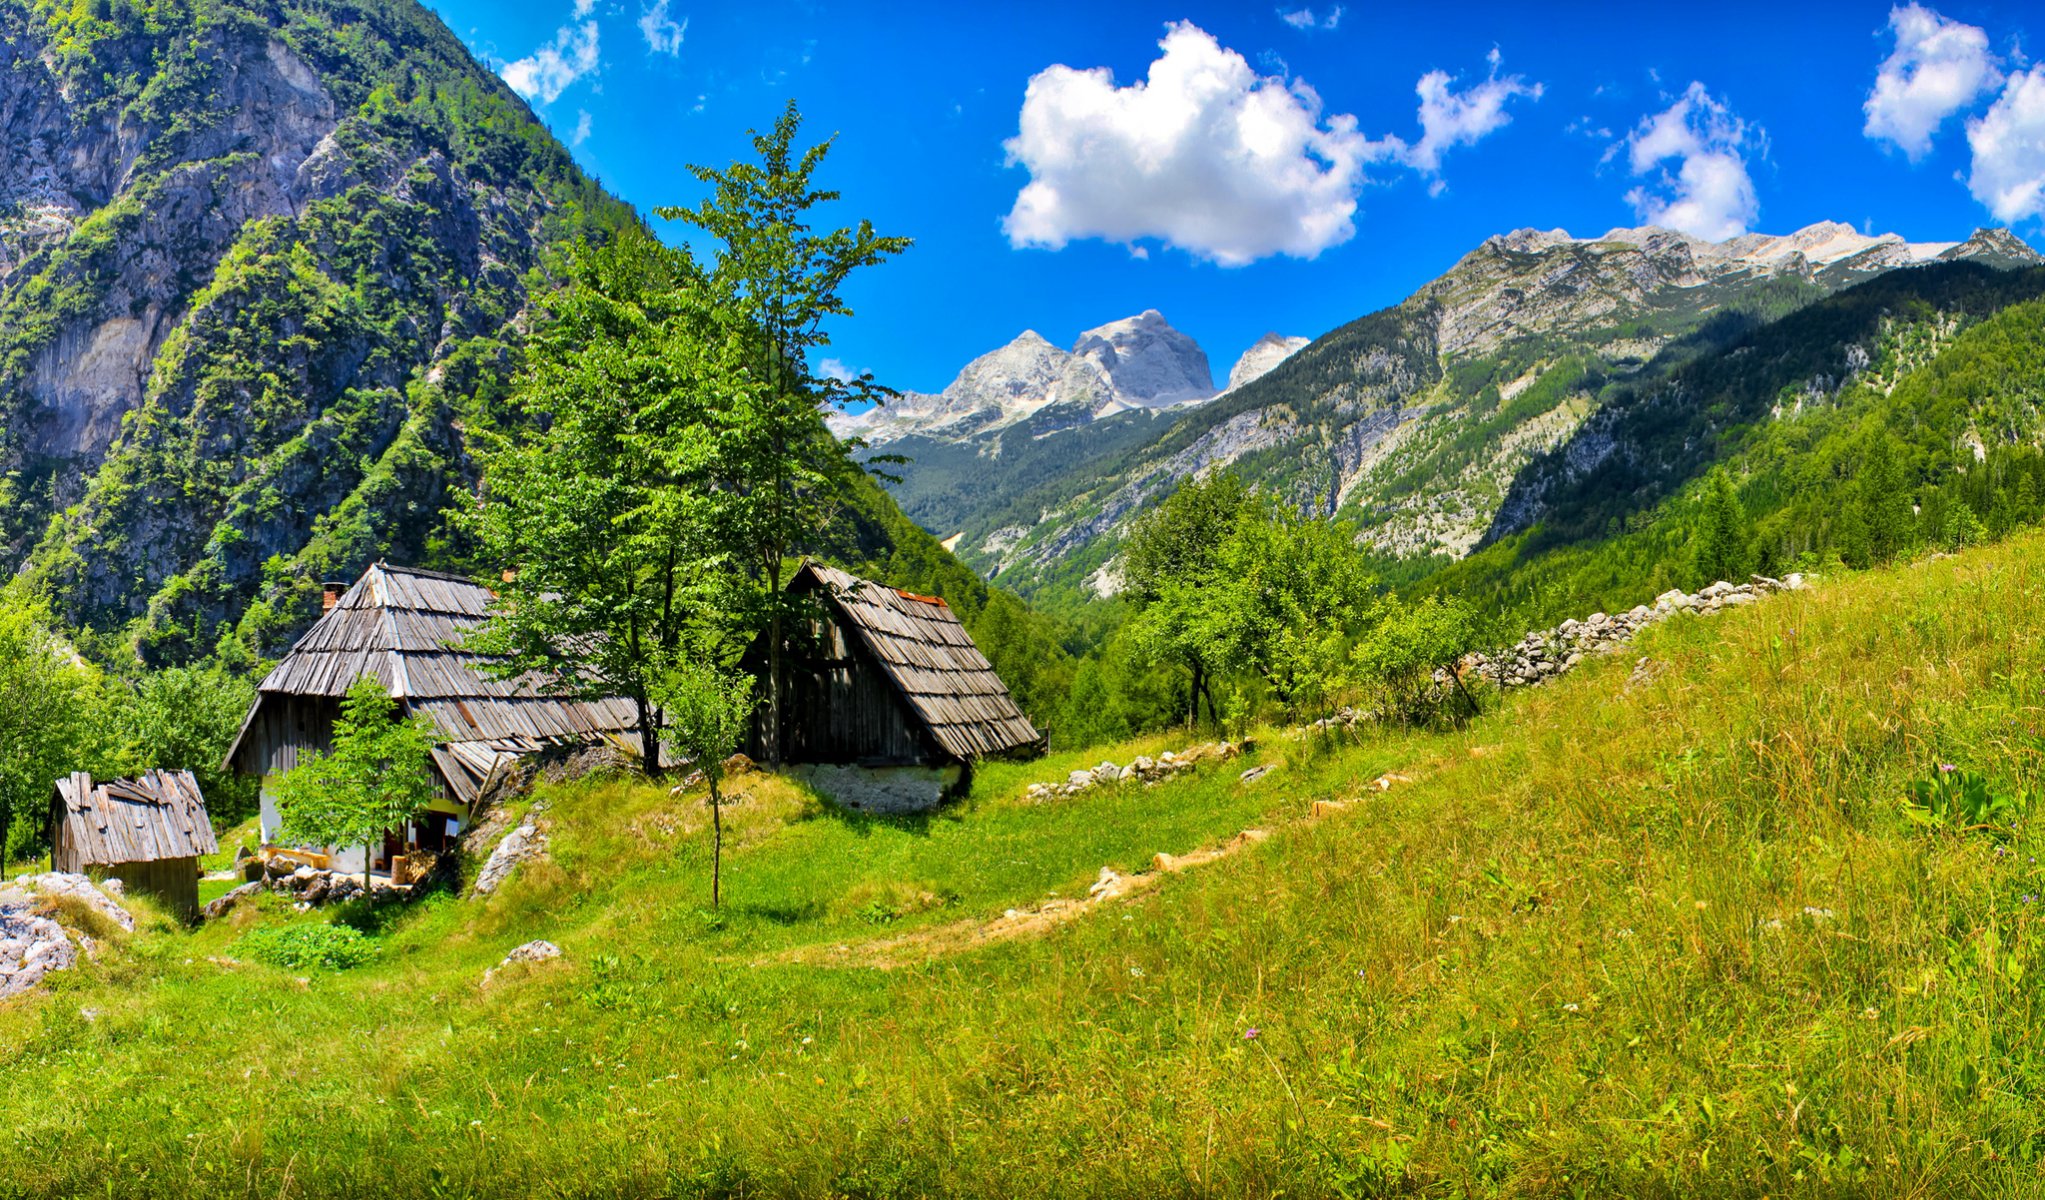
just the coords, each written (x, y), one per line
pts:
(887, 953)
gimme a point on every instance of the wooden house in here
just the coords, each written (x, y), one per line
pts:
(404, 628)
(886, 681)
(147, 832)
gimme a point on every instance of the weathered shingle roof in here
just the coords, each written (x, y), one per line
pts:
(404, 626)
(928, 654)
(161, 815)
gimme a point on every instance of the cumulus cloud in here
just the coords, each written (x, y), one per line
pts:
(547, 72)
(1708, 194)
(1450, 118)
(663, 34)
(833, 368)
(1939, 66)
(1307, 18)
(1203, 154)
(2008, 142)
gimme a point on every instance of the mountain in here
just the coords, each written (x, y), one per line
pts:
(1416, 421)
(263, 268)
(1137, 364)
(992, 432)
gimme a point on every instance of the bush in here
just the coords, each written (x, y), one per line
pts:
(296, 947)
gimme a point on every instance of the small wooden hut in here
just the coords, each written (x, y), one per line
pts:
(404, 628)
(883, 679)
(147, 832)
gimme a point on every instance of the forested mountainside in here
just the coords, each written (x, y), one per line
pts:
(1908, 410)
(266, 261)
(1418, 422)
(262, 268)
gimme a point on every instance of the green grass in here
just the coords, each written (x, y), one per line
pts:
(1662, 938)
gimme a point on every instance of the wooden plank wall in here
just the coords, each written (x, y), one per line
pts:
(840, 708)
(174, 882)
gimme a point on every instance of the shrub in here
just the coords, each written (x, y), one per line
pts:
(295, 947)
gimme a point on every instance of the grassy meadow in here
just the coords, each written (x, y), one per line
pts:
(1657, 929)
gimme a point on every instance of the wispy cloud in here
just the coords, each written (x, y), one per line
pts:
(663, 34)
(1307, 18)
(547, 72)
(582, 123)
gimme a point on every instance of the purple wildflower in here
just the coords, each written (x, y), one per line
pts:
(1947, 767)
(1250, 1034)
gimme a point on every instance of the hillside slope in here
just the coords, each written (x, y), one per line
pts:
(1418, 421)
(263, 263)
(1660, 928)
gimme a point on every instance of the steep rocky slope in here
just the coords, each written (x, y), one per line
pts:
(1418, 420)
(260, 264)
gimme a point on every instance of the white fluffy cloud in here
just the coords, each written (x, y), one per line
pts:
(1204, 154)
(582, 128)
(2009, 150)
(1450, 118)
(1939, 67)
(663, 34)
(1709, 193)
(1307, 18)
(546, 73)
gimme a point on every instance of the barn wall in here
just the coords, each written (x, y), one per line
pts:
(838, 707)
(174, 882)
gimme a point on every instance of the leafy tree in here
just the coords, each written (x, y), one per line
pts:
(1409, 644)
(184, 719)
(48, 726)
(1284, 595)
(376, 778)
(780, 466)
(609, 515)
(708, 711)
(1172, 552)
(1962, 528)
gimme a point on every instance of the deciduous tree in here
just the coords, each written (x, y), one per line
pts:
(780, 466)
(377, 777)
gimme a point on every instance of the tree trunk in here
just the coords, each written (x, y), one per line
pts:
(774, 666)
(1193, 699)
(1467, 697)
(649, 738)
(716, 842)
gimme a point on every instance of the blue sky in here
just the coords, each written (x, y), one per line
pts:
(1282, 168)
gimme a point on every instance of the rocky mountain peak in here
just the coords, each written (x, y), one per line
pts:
(1267, 352)
(1138, 363)
(1142, 362)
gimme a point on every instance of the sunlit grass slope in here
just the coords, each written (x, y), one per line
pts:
(1649, 932)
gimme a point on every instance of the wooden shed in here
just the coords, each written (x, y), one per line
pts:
(147, 832)
(404, 628)
(885, 678)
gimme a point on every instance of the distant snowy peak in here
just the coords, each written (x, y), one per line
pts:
(1257, 361)
(1825, 245)
(1137, 363)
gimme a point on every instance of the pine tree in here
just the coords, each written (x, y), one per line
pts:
(1886, 507)
(1722, 533)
